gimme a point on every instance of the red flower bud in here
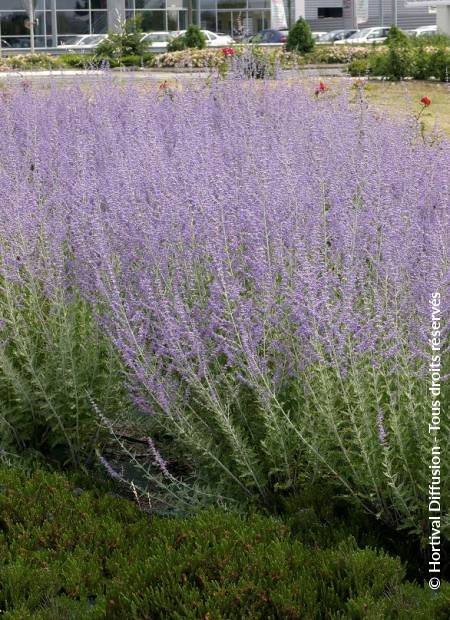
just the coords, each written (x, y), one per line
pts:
(425, 101)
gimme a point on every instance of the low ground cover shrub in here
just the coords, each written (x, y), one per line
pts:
(216, 58)
(146, 60)
(192, 58)
(69, 552)
(182, 57)
(78, 61)
(331, 54)
(31, 61)
(359, 67)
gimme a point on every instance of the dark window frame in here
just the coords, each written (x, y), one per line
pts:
(329, 12)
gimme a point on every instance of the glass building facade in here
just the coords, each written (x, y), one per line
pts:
(56, 21)
(233, 17)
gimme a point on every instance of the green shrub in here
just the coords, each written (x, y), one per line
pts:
(359, 67)
(77, 61)
(148, 59)
(178, 44)
(421, 65)
(192, 38)
(83, 61)
(125, 43)
(69, 553)
(396, 36)
(398, 62)
(131, 61)
(434, 40)
(439, 64)
(300, 38)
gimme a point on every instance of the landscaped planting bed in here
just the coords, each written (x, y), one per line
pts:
(219, 294)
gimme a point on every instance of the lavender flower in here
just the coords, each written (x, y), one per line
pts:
(261, 265)
(158, 460)
(381, 428)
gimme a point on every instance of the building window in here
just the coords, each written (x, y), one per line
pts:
(329, 11)
(152, 20)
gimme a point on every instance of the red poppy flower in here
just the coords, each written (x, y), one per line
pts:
(321, 88)
(425, 101)
(228, 51)
(163, 85)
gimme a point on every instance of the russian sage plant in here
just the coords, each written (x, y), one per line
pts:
(54, 357)
(262, 259)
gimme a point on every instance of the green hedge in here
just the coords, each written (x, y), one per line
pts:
(398, 62)
(81, 554)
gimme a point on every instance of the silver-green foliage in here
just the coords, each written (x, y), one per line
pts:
(53, 360)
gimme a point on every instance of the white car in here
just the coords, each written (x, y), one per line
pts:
(425, 31)
(366, 35)
(87, 41)
(214, 39)
(158, 40)
(317, 35)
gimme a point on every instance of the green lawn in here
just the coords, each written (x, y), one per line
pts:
(403, 98)
(398, 99)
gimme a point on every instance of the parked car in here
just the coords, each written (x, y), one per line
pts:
(317, 35)
(213, 39)
(158, 40)
(366, 35)
(335, 35)
(84, 42)
(270, 36)
(217, 39)
(425, 31)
